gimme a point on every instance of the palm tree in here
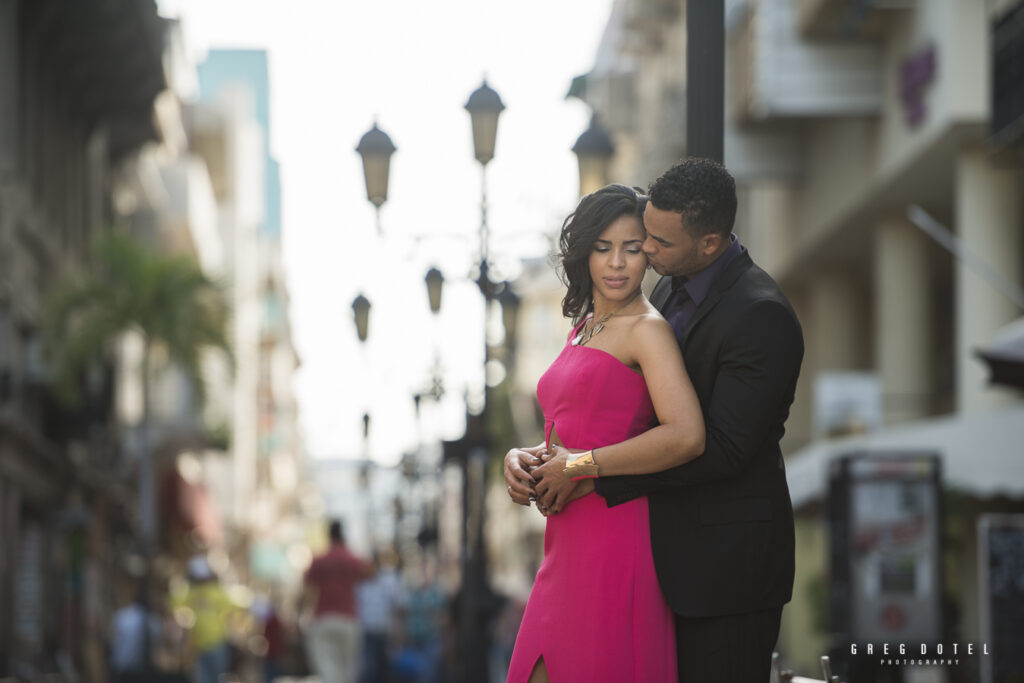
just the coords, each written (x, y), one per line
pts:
(166, 299)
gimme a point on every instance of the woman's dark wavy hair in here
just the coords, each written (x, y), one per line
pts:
(581, 228)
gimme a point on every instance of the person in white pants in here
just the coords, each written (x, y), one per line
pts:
(334, 637)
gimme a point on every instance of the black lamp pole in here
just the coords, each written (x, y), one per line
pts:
(705, 79)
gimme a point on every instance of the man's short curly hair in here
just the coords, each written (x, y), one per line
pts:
(701, 191)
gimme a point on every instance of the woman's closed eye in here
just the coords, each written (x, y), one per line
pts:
(629, 250)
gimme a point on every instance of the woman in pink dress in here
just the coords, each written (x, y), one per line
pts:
(619, 392)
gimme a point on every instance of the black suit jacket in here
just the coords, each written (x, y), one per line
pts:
(722, 524)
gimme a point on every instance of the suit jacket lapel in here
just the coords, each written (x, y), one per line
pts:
(661, 292)
(723, 282)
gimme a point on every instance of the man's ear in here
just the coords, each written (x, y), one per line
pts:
(710, 243)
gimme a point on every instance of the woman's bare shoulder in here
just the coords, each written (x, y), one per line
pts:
(651, 321)
(651, 325)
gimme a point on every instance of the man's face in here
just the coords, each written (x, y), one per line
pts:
(671, 249)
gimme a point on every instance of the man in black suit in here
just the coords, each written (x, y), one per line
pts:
(722, 524)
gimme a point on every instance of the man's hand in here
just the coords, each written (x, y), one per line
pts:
(582, 488)
(554, 487)
(520, 483)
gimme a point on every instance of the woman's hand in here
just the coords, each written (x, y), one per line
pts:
(519, 481)
(554, 487)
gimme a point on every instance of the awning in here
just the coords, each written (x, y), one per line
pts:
(188, 506)
(982, 454)
(108, 58)
(1005, 355)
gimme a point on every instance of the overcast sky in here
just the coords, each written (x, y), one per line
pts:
(337, 66)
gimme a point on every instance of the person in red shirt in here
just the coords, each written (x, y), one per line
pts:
(334, 637)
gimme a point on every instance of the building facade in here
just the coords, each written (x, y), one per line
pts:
(264, 473)
(103, 127)
(74, 112)
(877, 159)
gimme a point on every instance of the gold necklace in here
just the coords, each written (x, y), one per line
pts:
(595, 328)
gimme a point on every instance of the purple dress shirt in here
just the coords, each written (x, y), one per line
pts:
(689, 293)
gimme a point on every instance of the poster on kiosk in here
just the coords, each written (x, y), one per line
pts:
(886, 520)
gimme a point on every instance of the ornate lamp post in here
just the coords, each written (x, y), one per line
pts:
(434, 390)
(376, 148)
(476, 599)
(366, 483)
(361, 313)
(594, 150)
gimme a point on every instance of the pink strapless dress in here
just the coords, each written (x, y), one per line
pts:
(596, 613)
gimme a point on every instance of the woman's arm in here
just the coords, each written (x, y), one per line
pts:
(679, 435)
(678, 438)
(748, 406)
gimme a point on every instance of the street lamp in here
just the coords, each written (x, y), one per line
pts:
(361, 311)
(435, 282)
(594, 150)
(484, 106)
(376, 148)
(477, 600)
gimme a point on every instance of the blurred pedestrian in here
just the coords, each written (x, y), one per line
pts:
(266, 612)
(333, 637)
(424, 627)
(206, 611)
(506, 628)
(379, 599)
(128, 660)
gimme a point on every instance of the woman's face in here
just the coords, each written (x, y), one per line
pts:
(617, 261)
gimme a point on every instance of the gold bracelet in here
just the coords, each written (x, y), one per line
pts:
(581, 466)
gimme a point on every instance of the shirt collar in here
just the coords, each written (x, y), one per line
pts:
(698, 286)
